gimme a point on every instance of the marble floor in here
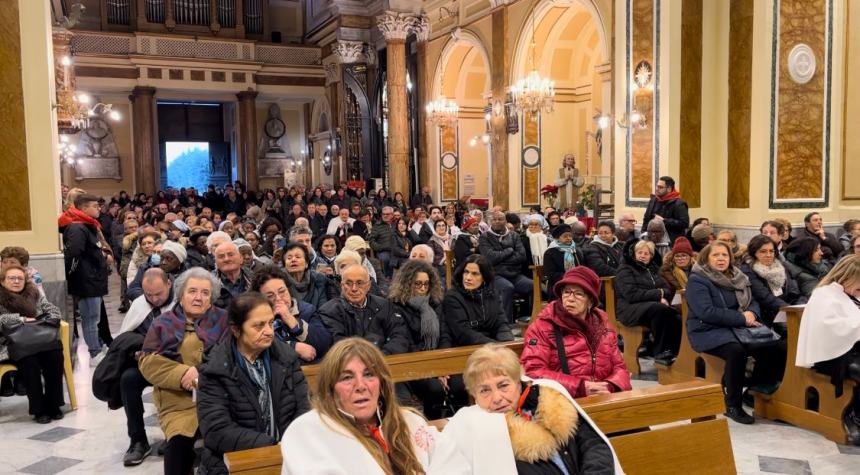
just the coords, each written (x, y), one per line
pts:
(93, 439)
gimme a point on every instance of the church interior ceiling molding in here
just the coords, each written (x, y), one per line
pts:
(800, 103)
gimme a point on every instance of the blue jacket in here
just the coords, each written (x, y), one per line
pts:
(710, 317)
(317, 335)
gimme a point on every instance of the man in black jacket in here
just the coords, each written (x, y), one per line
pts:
(666, 204)
(814, 228)
(422, 199)
(381, 239)
(505, 251)
(357, 313)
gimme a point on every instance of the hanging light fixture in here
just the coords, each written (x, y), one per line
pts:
(442, 112)
(533, 93)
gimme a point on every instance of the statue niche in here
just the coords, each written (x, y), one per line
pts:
(99, 156)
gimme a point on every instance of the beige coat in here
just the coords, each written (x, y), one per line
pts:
(177, 413)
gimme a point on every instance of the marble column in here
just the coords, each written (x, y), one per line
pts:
(500, 63)
(395, 27)
(145, 138)
(247, 146)
(422, 31)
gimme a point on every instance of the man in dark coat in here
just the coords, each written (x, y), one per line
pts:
(87, 266)
(381, 239)
(228, 406)
(505, 251)
(358, 313)
(234, 278)
(666, 204)
(421, 199)
(814, 228)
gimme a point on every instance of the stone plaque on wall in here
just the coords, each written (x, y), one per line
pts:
(273, 167)
(531, 185)
(97, 168)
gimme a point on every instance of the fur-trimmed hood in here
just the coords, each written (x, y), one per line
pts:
(554, 422)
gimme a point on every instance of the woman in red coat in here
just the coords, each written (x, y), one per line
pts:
(592, 363)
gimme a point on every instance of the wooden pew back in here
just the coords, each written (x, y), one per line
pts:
(449, 269)
(633, 336)
(793, 402)
(538, 302)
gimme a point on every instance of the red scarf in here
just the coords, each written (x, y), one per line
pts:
(74, 215)
(672, 195)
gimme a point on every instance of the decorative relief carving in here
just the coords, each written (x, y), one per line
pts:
(395, 25)
(348, 51)
(99, 154)
(801, 63)
(332, 72)
(421, 27)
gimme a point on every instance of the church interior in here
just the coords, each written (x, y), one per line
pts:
(574, 104)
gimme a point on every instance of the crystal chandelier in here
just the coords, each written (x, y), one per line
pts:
(533, 93)
(442, 112)
(75, 109)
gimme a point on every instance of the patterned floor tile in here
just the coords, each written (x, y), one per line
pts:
(56, 434)
(50, 466)
(783, 465)
(151, 421)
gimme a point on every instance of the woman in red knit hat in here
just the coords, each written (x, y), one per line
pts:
(677, 264)
(571, 341)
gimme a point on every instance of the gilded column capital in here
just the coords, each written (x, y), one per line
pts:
(348, 51)
(395, 25)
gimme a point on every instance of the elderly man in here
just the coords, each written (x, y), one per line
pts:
(627, 226)
(422, 199)
(156, 298)
(506, 253)
(358, 313)
(666, 204)
(381, 239)
(342, 220)
(173, 256)
(814, 228)
(235, 279)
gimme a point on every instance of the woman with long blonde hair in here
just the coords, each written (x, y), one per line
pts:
(357, 426)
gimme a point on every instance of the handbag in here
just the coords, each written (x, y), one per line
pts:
(754, 338)
(25, 339)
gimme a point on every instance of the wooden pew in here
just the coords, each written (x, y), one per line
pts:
(701, 446)
(261, 461)
(538, 302)
(792, 402)
(633, 336)
(690, 364)
(449, 269)
(421, 364)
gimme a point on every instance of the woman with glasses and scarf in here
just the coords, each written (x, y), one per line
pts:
(561, 256)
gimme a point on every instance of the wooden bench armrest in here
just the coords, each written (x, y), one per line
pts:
(258, 461)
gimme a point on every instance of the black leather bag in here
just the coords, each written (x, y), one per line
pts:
(28, 338)
(754, 338)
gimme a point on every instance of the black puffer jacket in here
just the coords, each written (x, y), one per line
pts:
(638, 288)
(227, 407)
(506, 253)
(86, 267)
(602, 258)
(474, 317)
(380, 323)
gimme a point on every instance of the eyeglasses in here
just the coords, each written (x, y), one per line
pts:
(354, 284)
(420, 283)
(12, 278)
(578, 294)
(767, 252)
(629, 221)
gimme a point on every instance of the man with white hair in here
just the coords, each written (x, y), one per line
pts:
(234, 278)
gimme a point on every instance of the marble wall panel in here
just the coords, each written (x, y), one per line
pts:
(642, 159)
(14, 180)
(691, 102)
(800, 153)
(740, 102)
(850, 137)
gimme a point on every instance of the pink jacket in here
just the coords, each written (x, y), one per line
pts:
(602, 363)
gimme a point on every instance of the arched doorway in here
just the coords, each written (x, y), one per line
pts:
(463, 158)
(565, 42)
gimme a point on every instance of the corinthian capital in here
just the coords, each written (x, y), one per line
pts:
(348, 51)
(395, 25)
(421, 27)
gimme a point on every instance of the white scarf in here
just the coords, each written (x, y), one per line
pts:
(829, 328)
(538, 244)
(443, 241)
(773, 274)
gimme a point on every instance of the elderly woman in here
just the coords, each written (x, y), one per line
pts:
(523, 426)
(657, 235)
(772, 287)
(643, 299)
(471, 308)
(678, 264)
(561, 256)
(829, 337)
(535, 241)
(305, 284)
(297, 322)
(719, 298)
(172, 349)
(357, 425)
(142, 254)
(572, 343)
(327, 247)
(251, 385)
(466, 243)
(20, 302)
(603, 254)
(805, 263)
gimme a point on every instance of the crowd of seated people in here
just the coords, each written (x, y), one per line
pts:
(230, 294)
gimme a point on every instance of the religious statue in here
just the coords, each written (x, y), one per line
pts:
(569, 183)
